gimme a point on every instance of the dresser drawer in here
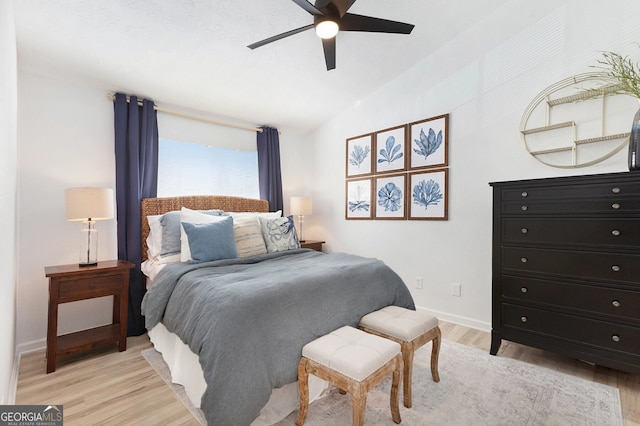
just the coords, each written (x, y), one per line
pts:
(574, 264)
(573, 328)
(591, 299)
(83, 288)
(548, 191)
(617, 205)
(624, 232)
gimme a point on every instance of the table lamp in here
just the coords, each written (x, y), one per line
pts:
(88, 205)
(301, 206)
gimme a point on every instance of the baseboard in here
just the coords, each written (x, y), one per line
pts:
(21, 349)
(458, 319)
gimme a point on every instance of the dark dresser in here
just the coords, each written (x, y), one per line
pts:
(566, 267)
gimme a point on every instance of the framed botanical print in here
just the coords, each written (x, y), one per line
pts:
(390, 198)
(358, 199)
(429, 142)
(390, 146)
(360, 156)
(427, 195)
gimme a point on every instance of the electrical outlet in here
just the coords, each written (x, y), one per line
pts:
(419, 282)
(456, 289)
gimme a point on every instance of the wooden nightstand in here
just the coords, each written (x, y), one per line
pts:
(312, 244)
(69, 283)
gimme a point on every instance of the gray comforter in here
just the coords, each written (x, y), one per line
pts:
(248, 319)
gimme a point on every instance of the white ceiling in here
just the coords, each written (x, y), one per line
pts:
(192, 54)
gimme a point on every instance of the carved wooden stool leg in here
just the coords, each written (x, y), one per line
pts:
(395, 385)
(359, 402)
(303, 383)
(407, 355)
(435, 353)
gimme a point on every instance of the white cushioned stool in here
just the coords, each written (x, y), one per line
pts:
(354, 361)
(411, 329)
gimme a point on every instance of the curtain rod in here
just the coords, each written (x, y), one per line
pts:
(112, 97)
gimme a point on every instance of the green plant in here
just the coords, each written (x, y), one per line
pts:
(622, 69)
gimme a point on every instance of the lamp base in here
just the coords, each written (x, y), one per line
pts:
(87, 264)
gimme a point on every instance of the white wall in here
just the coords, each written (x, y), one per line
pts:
(8, 192)
(484, 79)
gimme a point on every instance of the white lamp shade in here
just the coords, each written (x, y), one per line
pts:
(84, 204)
(301, 206)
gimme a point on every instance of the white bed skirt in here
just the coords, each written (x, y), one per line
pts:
(186, 371)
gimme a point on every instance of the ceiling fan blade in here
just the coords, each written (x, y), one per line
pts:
(308, 7)
(351, 22)
(342, 6)
(322, 3)
(329, 46)
(279, 36)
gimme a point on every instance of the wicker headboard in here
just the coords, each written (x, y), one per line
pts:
(155, 206)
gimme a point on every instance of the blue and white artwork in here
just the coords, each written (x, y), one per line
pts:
(359, 156)
(428, 142)
(428, 197)
(390, 150)
(390, 197)
(359, 199)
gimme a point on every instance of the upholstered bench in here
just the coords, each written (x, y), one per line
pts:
(411, 329)
(354, 361)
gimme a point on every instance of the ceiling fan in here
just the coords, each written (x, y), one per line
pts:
(329, 17)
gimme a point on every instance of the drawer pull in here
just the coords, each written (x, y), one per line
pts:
(524, 289)
(524, 260)
(615, 338)
(615, 206)
(525, 194)
(615, 233)
(523, 319)
(524, 208)
(615, 190)
(616, 303)
(615, 268)
(524, 230)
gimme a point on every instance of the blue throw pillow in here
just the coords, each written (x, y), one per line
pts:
(211, 241)
(170, 223)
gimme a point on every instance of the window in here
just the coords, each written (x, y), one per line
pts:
(194, 169)
(200, 158)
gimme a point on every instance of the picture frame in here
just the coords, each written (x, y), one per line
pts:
(429, 143)
(390, 150)
(358, 200)
(427, 195)
(360, 156)
(390, 197)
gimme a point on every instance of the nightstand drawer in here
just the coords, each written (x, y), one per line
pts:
(80, 289)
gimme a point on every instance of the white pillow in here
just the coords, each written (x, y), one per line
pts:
(192, 216)
(266, 215)
(154, 239)
(248, 235)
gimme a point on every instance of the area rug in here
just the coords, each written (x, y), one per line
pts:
(475, 388)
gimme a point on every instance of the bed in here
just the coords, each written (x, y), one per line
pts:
(232, 328)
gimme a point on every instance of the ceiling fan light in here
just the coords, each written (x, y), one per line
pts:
(327, 29)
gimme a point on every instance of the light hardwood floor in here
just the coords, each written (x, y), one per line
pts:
(121, 388)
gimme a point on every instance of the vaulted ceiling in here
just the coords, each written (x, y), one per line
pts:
(193, 54)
